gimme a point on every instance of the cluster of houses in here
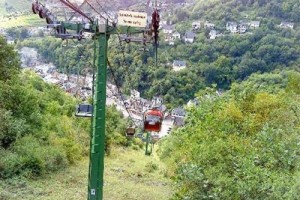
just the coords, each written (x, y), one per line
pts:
(137, 106)
(189, 37)
(81, 86)
(77, 85)
(242, 27)
(171, 35)
(178, 115)
(289, 25)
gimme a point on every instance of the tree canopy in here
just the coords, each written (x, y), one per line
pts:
(241, 145)
(38, 131)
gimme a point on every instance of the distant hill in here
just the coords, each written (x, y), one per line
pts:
(238, 9)
(10, 6)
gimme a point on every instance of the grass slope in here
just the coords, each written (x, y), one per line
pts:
(22, 21)
(13, 20)
(128, 175)
(16, 5)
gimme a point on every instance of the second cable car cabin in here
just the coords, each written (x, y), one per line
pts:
(130, 131)
(84, 110)
(152, 120)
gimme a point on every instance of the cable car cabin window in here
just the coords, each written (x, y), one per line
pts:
(130, 132)
(84, 110)
(152, 119)
(152, 123)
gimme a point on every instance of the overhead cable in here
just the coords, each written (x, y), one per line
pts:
(95, 10)
(70, 5)
(119, 91)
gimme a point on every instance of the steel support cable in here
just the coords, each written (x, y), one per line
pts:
(123, 53)
(111, 20)
(79, 11)
(124, 63)
(92, 64)
(124, 59)
(80, 54)
(122, 50)
(119, 91)
(70, 5)
(78, 8)
(95, 10)
(80, 51)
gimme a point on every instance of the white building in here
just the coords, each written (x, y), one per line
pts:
(242, 28)
(168, 29)
(209, 25)
(286, 25)
(134, 94)
(213, 34)
(176, 35)
(178, 115)
(232, 27)
(196, 25)
(179, 65)
(189, 37)
(254, 24)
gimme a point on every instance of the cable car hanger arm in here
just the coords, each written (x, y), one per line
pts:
(103, 28)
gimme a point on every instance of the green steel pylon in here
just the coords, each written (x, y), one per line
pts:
(97, 144)
(97, 141)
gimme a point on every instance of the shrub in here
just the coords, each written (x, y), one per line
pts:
(237, 148)
(9, 164)
(36, 159)
(55, 159)
(151, 167)
(10, 128)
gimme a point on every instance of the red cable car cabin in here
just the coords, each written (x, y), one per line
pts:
(152, 120)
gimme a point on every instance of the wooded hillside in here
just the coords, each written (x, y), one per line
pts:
(241, 145)
(38, 131)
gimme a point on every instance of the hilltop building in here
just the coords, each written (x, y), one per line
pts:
(189, 37)
(179, 65)
(287, 25)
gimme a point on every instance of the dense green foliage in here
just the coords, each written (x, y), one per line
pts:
(241, 145)
(227, 59)
(18, 34)
(237, 9)
(222, 61)
(38, 131)
(69, 57)
(8, 61)
(8, 6)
